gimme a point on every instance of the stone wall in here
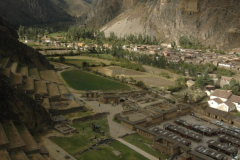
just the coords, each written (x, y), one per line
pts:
(128, 125)
(109, 100)
(91, 117)
(185, 111)
(128, 112)
(157, 120)
(143, 124)
(54, 112)
(170, 115)
(145, 134)
(163, 148)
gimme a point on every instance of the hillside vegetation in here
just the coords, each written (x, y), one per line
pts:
(30, 12)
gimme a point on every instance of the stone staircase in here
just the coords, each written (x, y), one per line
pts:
(33, 72)
(15, 140)
(28, 85)
(14, 67)
(16, 143)
(44, 86)
(5, 62)
(19, 156)
(24, 71)
(4, 155)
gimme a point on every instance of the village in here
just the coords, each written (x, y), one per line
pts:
(230, 60)
(183, 124)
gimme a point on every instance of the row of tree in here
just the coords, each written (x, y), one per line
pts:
(33, 33)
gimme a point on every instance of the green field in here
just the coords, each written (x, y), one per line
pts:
(79, 141)
(143, 144)
(81, 80)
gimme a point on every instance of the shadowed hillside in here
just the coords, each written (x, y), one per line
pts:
(29, 12)
(14, 104)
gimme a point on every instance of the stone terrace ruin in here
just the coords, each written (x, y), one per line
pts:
(65, 129)
(16, 142)
(43, 86)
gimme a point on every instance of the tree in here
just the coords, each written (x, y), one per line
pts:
(61, 58)
(185, 97)
(21, 31)
(140, 84)
(203, 80)
(85, 64)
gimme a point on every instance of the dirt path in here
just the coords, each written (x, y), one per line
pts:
(54, 150)
(145, 154)
(116, 129)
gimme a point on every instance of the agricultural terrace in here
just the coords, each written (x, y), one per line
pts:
(77, 60)
(81, 80)
(153, 77)
(81, 141)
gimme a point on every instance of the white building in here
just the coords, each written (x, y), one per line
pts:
(224, 100)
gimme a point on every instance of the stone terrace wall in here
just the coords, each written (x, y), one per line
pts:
(91, 117)
(54, 112)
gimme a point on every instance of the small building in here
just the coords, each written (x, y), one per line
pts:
(209, 89)
(190, 83)
(225, 80)
(220, 115)
(81, 45)
(110, 98)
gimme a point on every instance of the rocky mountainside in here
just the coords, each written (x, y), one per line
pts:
(19, 52)
(29, 12)
(214, 23)
(74, 7)
(16, 105)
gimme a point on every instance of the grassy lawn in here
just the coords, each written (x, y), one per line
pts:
(107, 153)
(78, 114)
(236, 113)
(80, 141)
(144, 145)
(81, 80)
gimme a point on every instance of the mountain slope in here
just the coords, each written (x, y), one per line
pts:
(28, 12)
(74, 7)
(102, 11)
(16, 105)
(214, 23)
